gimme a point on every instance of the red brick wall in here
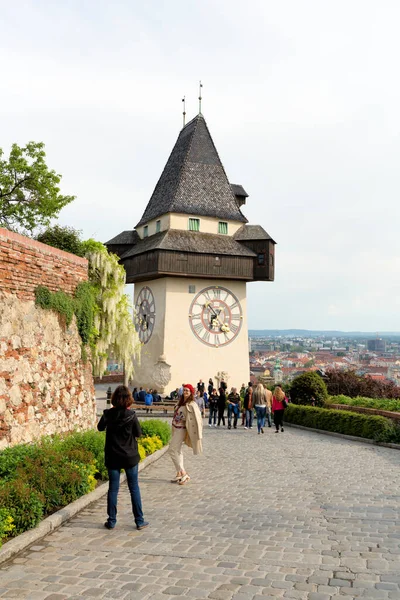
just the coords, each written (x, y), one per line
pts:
(25, 264)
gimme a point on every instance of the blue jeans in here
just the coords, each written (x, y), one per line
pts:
(212, 415)
(261, 413)
(235, 412)
(112, 496)
(249, 417)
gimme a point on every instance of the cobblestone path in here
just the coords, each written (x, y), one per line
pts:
(293, 515)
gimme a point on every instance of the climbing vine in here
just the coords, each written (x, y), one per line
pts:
(113, 320)
(103, 311)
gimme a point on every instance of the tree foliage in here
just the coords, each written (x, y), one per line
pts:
(29, 192)
(306, 387)
(350, 384)
(64, 238)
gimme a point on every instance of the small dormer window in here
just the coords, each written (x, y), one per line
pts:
(158, 226)
(146, 231)
(223, 227)
(194, 224)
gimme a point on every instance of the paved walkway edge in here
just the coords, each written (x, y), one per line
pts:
(16, 545)
(345, 437)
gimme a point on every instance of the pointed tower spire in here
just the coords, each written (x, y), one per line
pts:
(194, 180)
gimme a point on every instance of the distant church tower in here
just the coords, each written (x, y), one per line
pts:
(190, 257)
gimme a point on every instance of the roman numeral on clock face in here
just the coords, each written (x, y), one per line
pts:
(233, 327)
(198, 327)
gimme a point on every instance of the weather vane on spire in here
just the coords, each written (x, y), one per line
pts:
(184, 109)
(200, 86)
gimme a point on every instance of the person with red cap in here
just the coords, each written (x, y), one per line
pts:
(187, 427)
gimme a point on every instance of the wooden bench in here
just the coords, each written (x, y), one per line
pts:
(157, 407)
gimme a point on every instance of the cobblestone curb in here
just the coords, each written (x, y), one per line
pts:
(345, 437)
(51, 523)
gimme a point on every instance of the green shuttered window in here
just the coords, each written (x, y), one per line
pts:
(223, 227)
(194, 224)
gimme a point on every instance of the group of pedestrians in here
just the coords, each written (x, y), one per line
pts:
(258, 401)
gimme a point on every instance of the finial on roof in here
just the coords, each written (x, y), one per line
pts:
(200, 86)
(184, 109)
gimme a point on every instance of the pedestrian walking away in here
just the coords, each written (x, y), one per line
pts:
(278, 407)
(121, 452)
(259, 398)
(187, 427)
(221, 406)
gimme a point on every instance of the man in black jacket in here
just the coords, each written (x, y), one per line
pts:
(121, 452)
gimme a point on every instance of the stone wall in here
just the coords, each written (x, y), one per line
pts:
(44, 385)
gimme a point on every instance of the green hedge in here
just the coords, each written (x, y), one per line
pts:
(340, 421)
(38, 479)
(378, 403)
(153, 427)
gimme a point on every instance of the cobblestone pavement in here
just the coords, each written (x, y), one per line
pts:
(293, 515)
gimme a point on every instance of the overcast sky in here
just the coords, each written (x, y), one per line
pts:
(301, 97)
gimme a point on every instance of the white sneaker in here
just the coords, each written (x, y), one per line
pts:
(245, 427)
(251, 428)
(215, 424)
(209, 425)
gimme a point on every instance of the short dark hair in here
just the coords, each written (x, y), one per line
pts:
(122, 397)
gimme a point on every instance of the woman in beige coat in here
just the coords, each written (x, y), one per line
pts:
(187, 427)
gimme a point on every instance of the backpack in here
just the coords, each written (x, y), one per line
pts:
(148, 400)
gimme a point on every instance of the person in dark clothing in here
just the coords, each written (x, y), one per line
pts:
(233, 408)
(221, 406)
(135, 394)
(224, 385)
(210, 386)
(201, 387)
(142, 395)
(121, 452)
(213, 408)
(156, 396)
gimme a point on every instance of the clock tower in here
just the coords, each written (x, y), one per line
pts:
(190, 257)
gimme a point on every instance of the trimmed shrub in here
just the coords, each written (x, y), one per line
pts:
(6, 524)
(359, 425)
(11, 458)
(161, 429)
(378, 403)
(150, 444)
(307, 386)
(59, 478)
(24, 504)
(92, 441)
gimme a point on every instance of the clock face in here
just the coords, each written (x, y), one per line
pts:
(145, 314)
(215, 316)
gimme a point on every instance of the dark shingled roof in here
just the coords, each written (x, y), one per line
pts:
(189, 241)
(239, 190)
(252, 232)
(125, 237)
(194, 181)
